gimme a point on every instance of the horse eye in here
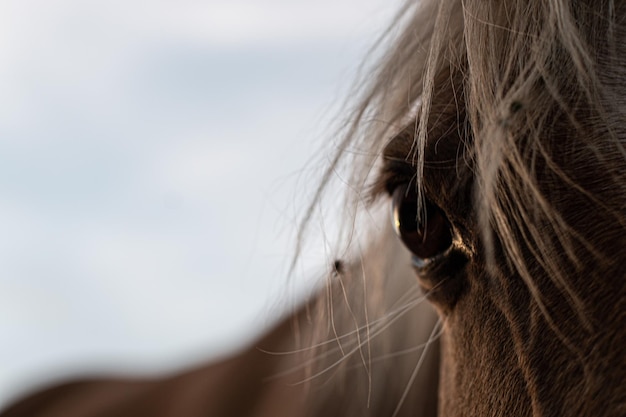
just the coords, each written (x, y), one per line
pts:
(426, 238)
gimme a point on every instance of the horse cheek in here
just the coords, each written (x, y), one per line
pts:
(480, 373)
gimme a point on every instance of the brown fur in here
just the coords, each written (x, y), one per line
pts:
(244, 385)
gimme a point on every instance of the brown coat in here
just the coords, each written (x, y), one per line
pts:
(238, 386)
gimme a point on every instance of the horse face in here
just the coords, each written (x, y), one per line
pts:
(546, 340)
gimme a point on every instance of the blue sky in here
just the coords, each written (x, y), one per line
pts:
(151, 167)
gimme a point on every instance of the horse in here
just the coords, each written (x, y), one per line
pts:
(494, 133)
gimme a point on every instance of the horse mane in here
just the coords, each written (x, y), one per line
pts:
(518, 69)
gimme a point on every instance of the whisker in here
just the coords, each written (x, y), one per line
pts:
(367, 335)
(377, 331)
(406, 351)
(397, 310)
(431, 339)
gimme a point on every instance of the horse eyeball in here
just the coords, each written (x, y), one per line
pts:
(425, 236)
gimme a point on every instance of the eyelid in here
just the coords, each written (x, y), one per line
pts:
(393, 173)
(396, 172)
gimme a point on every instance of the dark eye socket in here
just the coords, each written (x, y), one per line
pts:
(427, 237)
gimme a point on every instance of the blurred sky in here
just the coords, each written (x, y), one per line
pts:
(151, 168)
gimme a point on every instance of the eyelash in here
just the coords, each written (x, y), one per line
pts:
(395, 173)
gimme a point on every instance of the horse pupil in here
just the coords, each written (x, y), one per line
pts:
(426, 238)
